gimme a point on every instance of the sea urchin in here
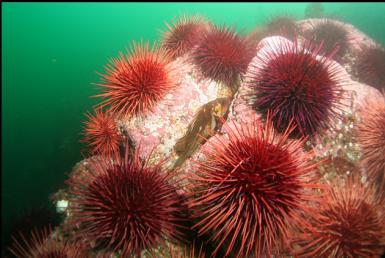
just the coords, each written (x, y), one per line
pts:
(370, 134)
(283, 26)
(349, 222)
(134, 84)
(183, 35)
(101, 133)
(296, 84)
(124, 205)
(223, 55)
(42, 245)
(370, 67)
(332, 36)
(250, 184)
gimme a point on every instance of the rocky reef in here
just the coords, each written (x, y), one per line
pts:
(218, 144)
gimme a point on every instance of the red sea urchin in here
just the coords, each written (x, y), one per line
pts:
(42, 245)
(256, 35)
(349, 222)
(296, 84)
(135, 83)
(370, 67)
(125, 205)
(332, 36)
(34, 218)
(250, 186)
(370, 134)
(223, 55)
(283, 26)
(101, 133)
(183, 35)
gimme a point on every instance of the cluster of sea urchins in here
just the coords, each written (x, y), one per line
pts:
(133, 85)
(253, 190)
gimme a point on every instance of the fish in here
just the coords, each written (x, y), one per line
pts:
(207, 120)
(127, 143)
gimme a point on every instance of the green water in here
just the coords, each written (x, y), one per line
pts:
(51, 53)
